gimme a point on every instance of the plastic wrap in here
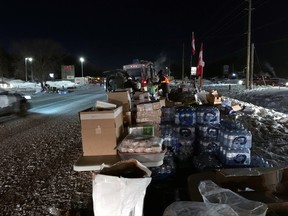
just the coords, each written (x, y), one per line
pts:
(188, 208)
(212, 193)
(141, 144)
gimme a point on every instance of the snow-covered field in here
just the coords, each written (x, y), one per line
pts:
(265, 115)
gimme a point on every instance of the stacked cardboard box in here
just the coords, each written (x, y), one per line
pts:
(101, 131)
(149, 112)
(122, 99)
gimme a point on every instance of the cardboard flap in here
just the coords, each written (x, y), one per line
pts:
(104, 114)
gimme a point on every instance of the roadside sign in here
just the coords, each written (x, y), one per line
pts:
(193, 71)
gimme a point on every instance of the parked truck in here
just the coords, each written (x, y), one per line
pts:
(141, 70)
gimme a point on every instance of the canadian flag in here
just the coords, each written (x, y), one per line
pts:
(193, 44)
(201, 63)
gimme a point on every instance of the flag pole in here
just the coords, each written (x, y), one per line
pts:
(183, 62)
(200, 66)
(191, 62)
(201, 78)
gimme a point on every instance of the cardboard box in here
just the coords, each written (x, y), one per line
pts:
(137, 94)
(172, 103)
(144, 96)
(263, 181)
(236, 107)
(127, 118)
(101, 130)
(214, 98)
(120, 99)
(150, 106)
(142, 129)
(104, 105)
(258, 179)
(149, 114)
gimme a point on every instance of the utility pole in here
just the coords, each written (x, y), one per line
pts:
(183, 63)
(252, 66)
(248, 46)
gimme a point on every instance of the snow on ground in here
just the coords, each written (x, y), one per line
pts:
(265, 115)
(32, 87)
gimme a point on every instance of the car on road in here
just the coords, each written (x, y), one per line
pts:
(13, 103)
(96, 80)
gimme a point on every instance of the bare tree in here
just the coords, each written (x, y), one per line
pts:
(46, 55)
(4, 64)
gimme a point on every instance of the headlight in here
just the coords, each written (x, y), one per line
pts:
(4, 85)
(240, 82)
(28, 97)
(286, 84)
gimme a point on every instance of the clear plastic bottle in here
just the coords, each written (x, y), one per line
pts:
(239, 139)
(177, 118)
(208, 115)
(238, 157)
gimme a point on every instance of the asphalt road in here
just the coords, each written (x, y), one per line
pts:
(38, 152)
(74, 101)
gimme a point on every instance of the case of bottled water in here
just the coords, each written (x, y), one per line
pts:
(208, 131)
(232, 138)
(221, 153)
(237, 157)
(186, 148)
(166, 129)
(232, 124)
(208, 146)
(207, 115)
(185, 115)
(185, 131)
(171, 141)
(168, 114)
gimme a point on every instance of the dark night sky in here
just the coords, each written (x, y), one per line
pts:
(111, 33)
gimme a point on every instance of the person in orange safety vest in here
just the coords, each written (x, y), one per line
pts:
(163, 83)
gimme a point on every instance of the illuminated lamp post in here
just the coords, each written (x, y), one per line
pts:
(32, 78)
(27, 59)
(82, 60)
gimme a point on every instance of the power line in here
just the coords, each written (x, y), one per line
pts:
(257, 57)
(219, 23)
(228, 24)
(261, 3)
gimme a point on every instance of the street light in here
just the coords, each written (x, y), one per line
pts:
(82, 60)
(31, 59)
(28, 59)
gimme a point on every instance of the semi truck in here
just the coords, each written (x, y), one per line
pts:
(141, 70)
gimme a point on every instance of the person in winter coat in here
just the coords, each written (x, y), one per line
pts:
(119, 81)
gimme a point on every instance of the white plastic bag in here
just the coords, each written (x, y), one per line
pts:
(117, 196)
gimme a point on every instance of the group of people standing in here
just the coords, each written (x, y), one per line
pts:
(119, 81)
